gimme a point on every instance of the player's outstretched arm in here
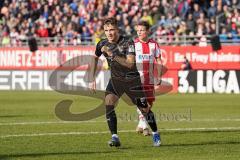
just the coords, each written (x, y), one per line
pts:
(92, 78)
(159, 70)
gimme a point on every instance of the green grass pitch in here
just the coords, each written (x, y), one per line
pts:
(192, 126)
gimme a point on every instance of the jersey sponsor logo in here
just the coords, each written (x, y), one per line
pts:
(145, 57)
(120, 48)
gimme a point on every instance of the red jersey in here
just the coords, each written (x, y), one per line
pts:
(146, 53)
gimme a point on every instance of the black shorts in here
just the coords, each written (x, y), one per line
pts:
(133, 89)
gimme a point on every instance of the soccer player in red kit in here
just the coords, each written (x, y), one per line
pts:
(148, 58)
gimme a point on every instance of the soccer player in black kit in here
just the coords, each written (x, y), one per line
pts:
(120, 54)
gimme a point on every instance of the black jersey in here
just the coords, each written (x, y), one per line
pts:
(122, 48)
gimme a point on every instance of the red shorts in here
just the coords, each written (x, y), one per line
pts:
(149, 92)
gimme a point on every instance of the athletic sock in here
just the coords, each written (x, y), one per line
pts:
(115, 135)
(154, 133)
(151, 121)
(142, 120)
(111, 119)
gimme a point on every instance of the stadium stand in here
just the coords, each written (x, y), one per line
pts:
(73, 22)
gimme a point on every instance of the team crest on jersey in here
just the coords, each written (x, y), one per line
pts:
(120, 49)
(131, 48)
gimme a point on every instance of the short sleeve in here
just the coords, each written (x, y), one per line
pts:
(98, 52)
(131, 48)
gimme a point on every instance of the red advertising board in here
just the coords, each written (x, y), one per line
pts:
(49, 58)
(201, 57)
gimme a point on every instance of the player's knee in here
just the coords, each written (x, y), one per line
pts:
(142, 102)
(111, 99)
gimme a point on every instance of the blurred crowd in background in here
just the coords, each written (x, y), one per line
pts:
(81, 20)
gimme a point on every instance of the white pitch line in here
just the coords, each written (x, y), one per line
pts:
(203, 129)
(77, 122)
(216, 120)
(122, 131)
(47, 122)
(58, 134)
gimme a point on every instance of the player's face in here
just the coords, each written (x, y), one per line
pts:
(142, 32)
(111, 32)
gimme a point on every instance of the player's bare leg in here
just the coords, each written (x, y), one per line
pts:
(142, 126)
(148, 114)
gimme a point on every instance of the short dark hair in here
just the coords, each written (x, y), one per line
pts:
(144, 23)
(111, 21)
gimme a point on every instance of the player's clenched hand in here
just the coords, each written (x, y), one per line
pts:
(106, 50)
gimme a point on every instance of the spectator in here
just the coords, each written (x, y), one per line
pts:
(212, 9)
(223, 36)
(236, 37)
(14, 36)
(98, 34)
(196, 11)
(5, 39)
(42, 31)
(85, 35)
(207, 28)
(235, 3)
(147, 17)
(186, 64)
(182, 8)
(192, 39)
(190, 23)
(236, 17)
(55, 15)
(182, 28)
(226, 11)
(201, 19)
(162, 21)
(156, 14)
